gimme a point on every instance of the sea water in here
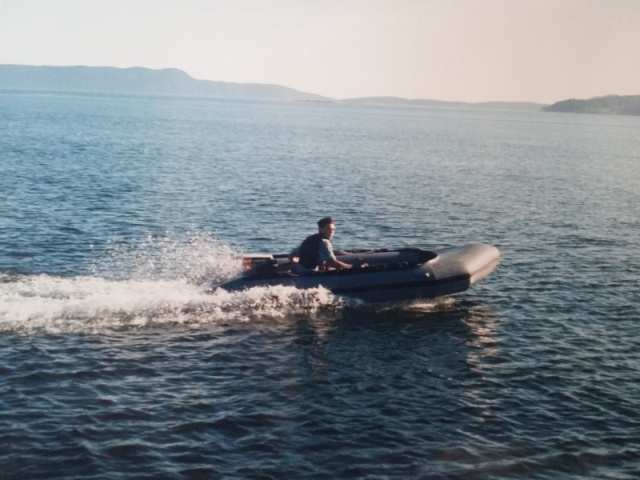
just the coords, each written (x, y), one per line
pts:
(117, 213)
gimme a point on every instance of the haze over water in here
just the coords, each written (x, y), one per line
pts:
(119, 212)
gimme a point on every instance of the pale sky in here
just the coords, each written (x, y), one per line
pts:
(464, 50)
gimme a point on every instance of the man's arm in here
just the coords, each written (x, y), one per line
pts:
(338, 264)
(326, 255)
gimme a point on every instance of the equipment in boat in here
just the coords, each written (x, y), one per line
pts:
(388, 275)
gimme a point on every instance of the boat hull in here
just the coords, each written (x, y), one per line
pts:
(390, 276)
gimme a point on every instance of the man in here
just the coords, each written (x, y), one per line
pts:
(317, 250)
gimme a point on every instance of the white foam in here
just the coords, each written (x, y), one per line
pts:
(93, 304)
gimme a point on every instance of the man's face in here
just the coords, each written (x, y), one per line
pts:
(328, 230)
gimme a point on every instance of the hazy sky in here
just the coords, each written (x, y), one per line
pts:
(468, 50)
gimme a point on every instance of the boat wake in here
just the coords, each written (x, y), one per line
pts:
(87, 304)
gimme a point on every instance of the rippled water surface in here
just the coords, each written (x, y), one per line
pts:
(119, 212)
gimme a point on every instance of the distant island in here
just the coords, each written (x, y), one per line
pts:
(610, 105)
(442, 103)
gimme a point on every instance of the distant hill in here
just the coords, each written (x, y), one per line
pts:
(138, 80)
(611, 104)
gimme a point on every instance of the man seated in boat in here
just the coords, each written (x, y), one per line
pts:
(316, 251)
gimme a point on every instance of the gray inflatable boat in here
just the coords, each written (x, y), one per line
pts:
(389, 275)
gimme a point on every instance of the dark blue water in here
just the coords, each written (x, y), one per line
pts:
(118, 212)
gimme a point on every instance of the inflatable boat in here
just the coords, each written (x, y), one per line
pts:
(379, 275)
